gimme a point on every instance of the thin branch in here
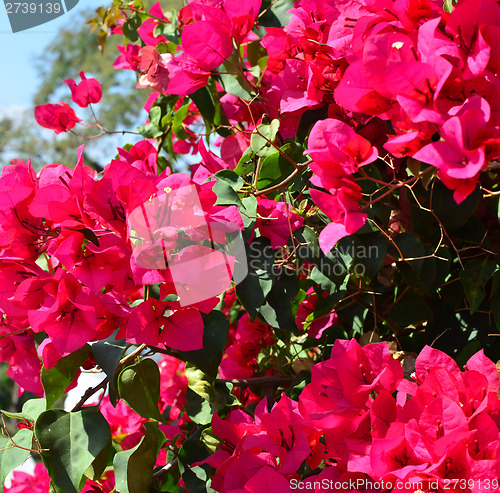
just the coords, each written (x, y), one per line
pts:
(14, 444)
(102, 385)
(249, 382)
(89, 393)
(164, 470)
(285, 182)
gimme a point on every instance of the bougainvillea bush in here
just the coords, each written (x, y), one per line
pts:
(314, 304)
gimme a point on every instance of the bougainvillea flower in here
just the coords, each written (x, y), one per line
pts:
(153, 66)
(86, 92)
(459, 156)
(22, 482)
(242, 17)
(343, 384)
(355, 92)
(57, 117)
(342, 207)
(129, 58)
(206, 44)
(390, 67)
(20, 352)
(485, 366)
(337, 151)
(150, 324)
(68, 317)
(275, 220)
(316, 327)
(146, 30)
(278, 47)
(186, 76)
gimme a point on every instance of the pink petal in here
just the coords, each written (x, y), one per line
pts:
(207, 44)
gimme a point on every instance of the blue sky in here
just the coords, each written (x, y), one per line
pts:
(19, 82)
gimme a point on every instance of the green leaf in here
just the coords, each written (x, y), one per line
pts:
(467, 352)
(276, 167)
(495, 299)
(308, 119)
(99, 464)
(411, 248)
(12, 457)
(262, 138)
(215, 333)
(246, 163)
(255, 52)
(32, 408)
(205, 103)
(252, 291)
(249, 215)
(236, 85)
(451, 214)
(231, 178)
(197, 478)
(224, 397)
(367, 251)
(448, 5)
(55, 380)
(210, 110)
(107, 354)
(150, 131)
(130, 27)
(153, 128)
(410, 310)
(225, 193)
(199, 382)
(210, 440)
(297, 386)
(498, 211)
(88, 235)
(277, 15)
(309, 244)
(324, 282)
(155, 116)
(279, 310)
(332, 269)
(139, 387)
(178, 122)
(281, 10)
(134, 467)
(414, 166)
(473, 278)
(168, 30)
(73, 441)
(198, 408)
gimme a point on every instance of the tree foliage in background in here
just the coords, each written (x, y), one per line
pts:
(72, 51)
